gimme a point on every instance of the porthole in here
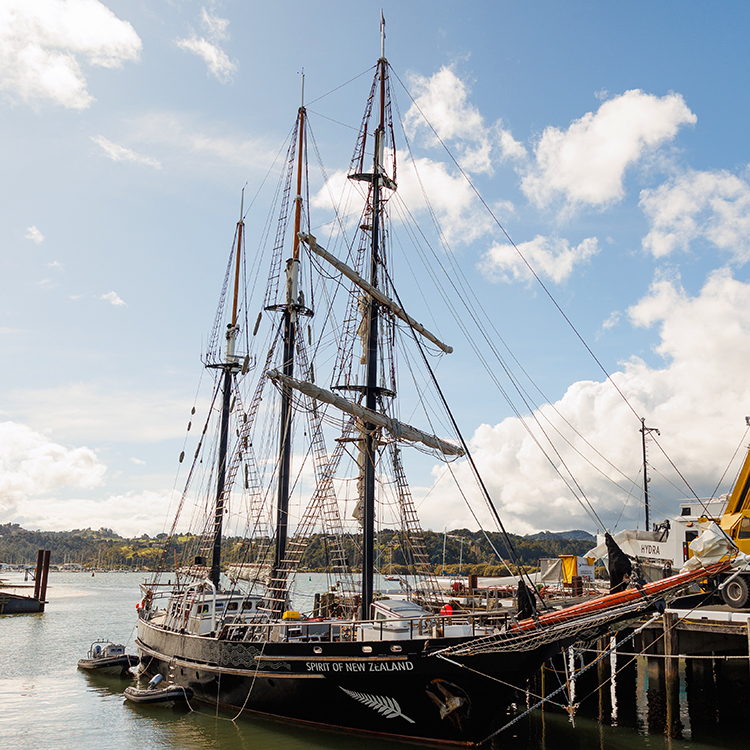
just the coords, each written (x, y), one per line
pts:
(366, 649)
(396, 649)
(317, 650)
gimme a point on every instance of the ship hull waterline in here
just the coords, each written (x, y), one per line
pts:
(409, 695)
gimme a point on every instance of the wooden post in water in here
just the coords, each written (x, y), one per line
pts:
(38, 573)
(604, 675)
(672, 675)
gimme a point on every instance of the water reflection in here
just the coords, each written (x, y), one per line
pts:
(45, 701)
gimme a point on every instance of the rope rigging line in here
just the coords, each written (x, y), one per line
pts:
(609, 650)
(533, 272)
(470, 458)
(341, 86)
(582, 499)
(739, 469)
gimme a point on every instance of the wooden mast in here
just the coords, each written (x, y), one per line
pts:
(229, 366)
(291, 309)
(370, 437)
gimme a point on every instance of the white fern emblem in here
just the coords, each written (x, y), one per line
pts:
(381, 703)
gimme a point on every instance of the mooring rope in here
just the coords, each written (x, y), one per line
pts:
(609, 650)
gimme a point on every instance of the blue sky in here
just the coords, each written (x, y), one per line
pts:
(610, 140)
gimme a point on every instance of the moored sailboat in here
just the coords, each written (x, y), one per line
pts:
(393, 666)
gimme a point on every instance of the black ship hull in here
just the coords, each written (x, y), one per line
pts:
(398, 689)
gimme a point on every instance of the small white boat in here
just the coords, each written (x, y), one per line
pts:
(153, 694)
(108, 658)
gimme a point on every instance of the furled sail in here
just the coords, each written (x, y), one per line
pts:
(352, 275)
(399, 430)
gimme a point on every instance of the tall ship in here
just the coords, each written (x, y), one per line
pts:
(305, 450)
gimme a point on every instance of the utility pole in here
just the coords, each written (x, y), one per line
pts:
(643, 432)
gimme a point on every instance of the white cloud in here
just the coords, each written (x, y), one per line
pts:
(443, 100)
(216, 27)
(138, 461)
(42, 41)
(698, 399)
(33, 234)
(121, 153)
(104, 413)
(462, 218)
(31, 465)
(586, 164)
(712, 206)
(114, 299)
(552, 257)
(612, 320)
(186, 143)
(218, 62)
(127, 514)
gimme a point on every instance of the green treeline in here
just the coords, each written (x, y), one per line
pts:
(106, 549)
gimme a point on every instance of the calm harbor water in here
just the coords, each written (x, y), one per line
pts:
(46, 702)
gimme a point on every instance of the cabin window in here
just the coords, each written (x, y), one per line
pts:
(247, 605)
(232, 607)
(379, 615)
(686, 512)
(203, 608)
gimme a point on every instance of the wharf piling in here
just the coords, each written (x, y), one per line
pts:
(16, 604)
(687, 674)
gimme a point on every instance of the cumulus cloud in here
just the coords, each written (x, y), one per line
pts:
(461, 216)
(552, 257)
(207, 47)
(703, 343)
(127, 514)
(709, 206)
(33, 234)
(443, 99)
(121, 153)
(114, 299)
(586, 164)
(31, 465)
(43, 42)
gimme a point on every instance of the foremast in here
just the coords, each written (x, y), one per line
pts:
(229, 366)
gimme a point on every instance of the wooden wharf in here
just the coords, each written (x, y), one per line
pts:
(690, 666)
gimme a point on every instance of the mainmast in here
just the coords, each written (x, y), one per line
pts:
(370, 431)
(229, 366)
(291, 308)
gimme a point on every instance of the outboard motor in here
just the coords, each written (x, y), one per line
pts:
(155, 681)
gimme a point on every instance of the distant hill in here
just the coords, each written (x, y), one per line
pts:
(457, 550)
(577, 535)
